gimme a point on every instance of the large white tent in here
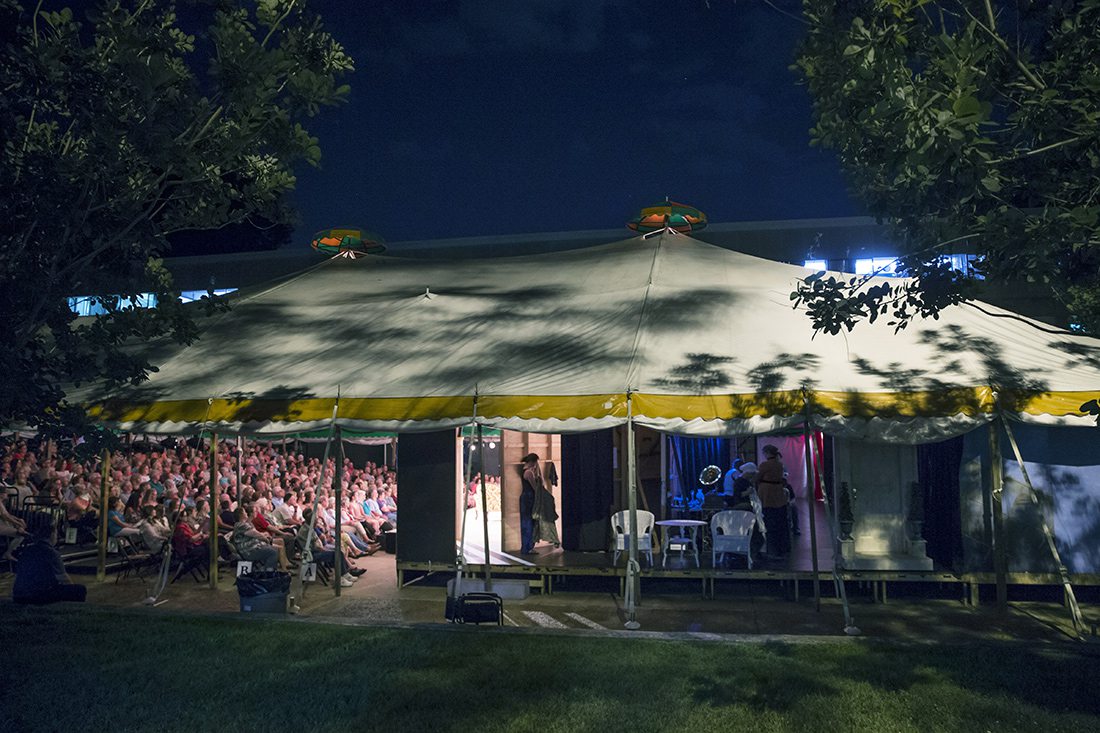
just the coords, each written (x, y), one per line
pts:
(699, 339)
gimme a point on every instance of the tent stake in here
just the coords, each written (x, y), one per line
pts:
(1071, 598)
(996, 483)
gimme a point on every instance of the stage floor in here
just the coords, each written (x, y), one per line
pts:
(550, 558)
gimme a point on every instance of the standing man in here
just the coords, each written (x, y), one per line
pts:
(532, 481)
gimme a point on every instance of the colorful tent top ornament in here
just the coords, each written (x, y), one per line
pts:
(680, 217)
(348, 242)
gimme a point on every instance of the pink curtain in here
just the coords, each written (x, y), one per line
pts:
(794, 460)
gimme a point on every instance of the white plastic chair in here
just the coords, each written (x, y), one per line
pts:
(731, 532)
(620, 525)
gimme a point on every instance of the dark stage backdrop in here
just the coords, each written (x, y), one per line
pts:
(426, 492)
(588, 490)
(938, 473)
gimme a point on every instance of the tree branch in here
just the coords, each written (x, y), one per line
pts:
(1035, 80)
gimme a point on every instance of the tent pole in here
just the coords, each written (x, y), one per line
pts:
(632, 567)
(338, 488)
(849, 625)
(812, 503)
(664, 476)
(467, 477)
(299, 583)
(996, 481)
(104, 507)
(212, 572)
(484, 511)
(1071, 597)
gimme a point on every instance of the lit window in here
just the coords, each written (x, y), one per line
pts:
(884, 266)
(190, 296)
(89, 305)
(816, 265)
(963, 263)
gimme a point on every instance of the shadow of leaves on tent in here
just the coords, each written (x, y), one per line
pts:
(1068, 506)
(688, 310)
(275, 404)
(1079, 354)
(776, 383)
(960, 361)
(576, 338)
(944, 385)
(700, 374)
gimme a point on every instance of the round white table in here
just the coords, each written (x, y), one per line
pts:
(681, 541)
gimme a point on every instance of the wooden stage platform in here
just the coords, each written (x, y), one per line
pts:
(543, 571)
(795, 574)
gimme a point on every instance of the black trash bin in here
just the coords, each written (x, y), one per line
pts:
(263, 591)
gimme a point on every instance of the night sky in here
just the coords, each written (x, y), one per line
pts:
(482, 118)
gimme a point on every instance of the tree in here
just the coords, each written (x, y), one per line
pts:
(122, 129)
(969, 125)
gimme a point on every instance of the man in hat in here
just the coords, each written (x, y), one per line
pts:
(741, 496)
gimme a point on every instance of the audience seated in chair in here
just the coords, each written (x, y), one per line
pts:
(40, 576)
(308, 538)
(255, 546)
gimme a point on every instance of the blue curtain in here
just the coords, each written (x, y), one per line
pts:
(689, 456)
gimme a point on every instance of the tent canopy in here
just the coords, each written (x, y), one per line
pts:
(701, 340)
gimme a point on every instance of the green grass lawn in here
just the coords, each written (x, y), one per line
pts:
(81, 669)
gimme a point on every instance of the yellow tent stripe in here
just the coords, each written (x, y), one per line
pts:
(379, 409)
(966, 401)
